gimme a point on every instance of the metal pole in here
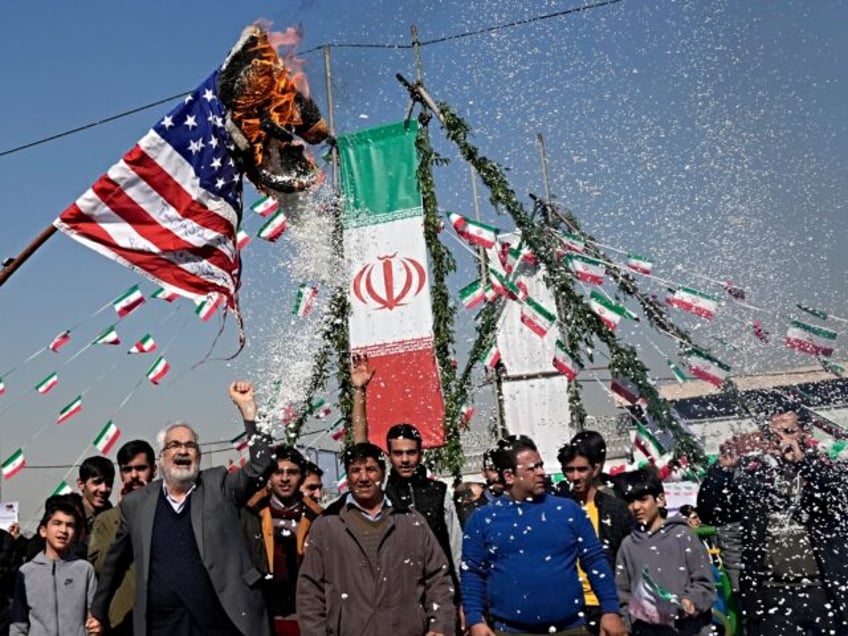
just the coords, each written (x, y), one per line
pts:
(28, 251)
(543, 160)
(331, 117)
(416, 46)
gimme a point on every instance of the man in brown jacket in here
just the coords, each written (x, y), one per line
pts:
(371, 569)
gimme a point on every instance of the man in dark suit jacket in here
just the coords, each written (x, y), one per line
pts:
(194, 574)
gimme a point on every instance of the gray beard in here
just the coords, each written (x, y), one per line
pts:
(180, 477)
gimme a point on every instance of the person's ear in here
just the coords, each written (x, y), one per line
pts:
(508, 477)
(42, 531)
(661, 500)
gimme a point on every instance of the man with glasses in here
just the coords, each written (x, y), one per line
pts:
(520, 556)
(609, 515)
(194, 574)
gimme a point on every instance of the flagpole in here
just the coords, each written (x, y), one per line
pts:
(543, 160)
(10, 265)
(331, 117)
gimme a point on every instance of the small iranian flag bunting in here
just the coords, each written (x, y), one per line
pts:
(647, 443)
(60, 341)
(265, 206)
(108, 337)
(818, 313)
(474, 231)
(128, 301)
(503, 286)
(159, 370)
(574, 242)
(2, 386)
(107, 437)
(491, 356)
(810, 339)
(589, 270)
(639, 264)
(145, 345)
(338, 430)
(14, 464)
(242, 239)
(694, 301)
(626, 389)
(467, 413)
(472, 295)
(538, 319)
(607, 310)
(274, 227)
(205, 308)
(305, 301)
(828, 365)
(341, 484)
(707, 368)
(46, 385)
(166, 295)
(241, 441)
(517, 255)
(678, 373)
(324, 412)
(563, 362)
(62, 489)
(72, 408)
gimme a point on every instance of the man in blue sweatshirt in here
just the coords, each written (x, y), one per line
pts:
(520, 556)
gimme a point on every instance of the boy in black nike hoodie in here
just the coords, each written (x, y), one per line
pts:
(663, 572)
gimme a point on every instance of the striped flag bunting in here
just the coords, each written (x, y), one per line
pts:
(169, 207)
(586, 269)
(46, 385)
(610, 312)
(652, 603)
(127, 302)
(473, 231)
(707, 368)
(503, 286)
(515, 256)
(274, 227)
(338, 430)
(467, 413)
(472, 294)
(573, 242)
(564, 363)
(536, 317)
(818, 313)
(491, 356)
(166, 295)
(107, 437)
(626, 389)
(159, 370)
(305, 301)
(647, 442)
(828, 365)
(639, 264)
(108, 337)
(806, 338)
(678, 373)
(324, 412)
(265, 206)
(72, 408)
(2, 386)
(206, 308)
(341, 484)
(242, 239)
(241, 441)
(694, 301)
(14, 464)
(60, 341)
(145, 345)
(62, 489)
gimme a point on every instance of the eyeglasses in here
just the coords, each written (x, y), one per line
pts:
(576, 469)
(540, 465)
(189, 446)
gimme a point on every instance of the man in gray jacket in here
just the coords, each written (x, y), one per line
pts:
(372, 569)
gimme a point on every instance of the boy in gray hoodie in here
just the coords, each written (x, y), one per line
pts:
(663, 572)
(53, 592)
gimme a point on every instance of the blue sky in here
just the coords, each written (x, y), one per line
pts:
(708, 135)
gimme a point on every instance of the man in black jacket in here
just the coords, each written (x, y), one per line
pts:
(791, 504)
(610, 518)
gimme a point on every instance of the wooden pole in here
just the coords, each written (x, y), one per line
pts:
(331, 118)
(543, 160)
(29, 250)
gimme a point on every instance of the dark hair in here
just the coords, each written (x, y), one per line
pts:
(764, 405)
(638, 483)
(135, 447)
(489, 459)
(362, 451)
(592, 445)
(97, 467)
(507, 450)
(313, 469)
(287, 453)
(687, 510)
(403, 431)
(571, 451)
(62, 504)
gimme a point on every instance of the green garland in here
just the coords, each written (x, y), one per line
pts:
(582, 323)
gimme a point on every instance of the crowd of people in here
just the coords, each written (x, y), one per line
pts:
(253, 551)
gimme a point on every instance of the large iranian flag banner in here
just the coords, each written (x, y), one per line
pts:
(389, 280)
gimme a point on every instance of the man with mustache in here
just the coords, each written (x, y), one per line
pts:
(136, 463)
(194, 574)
